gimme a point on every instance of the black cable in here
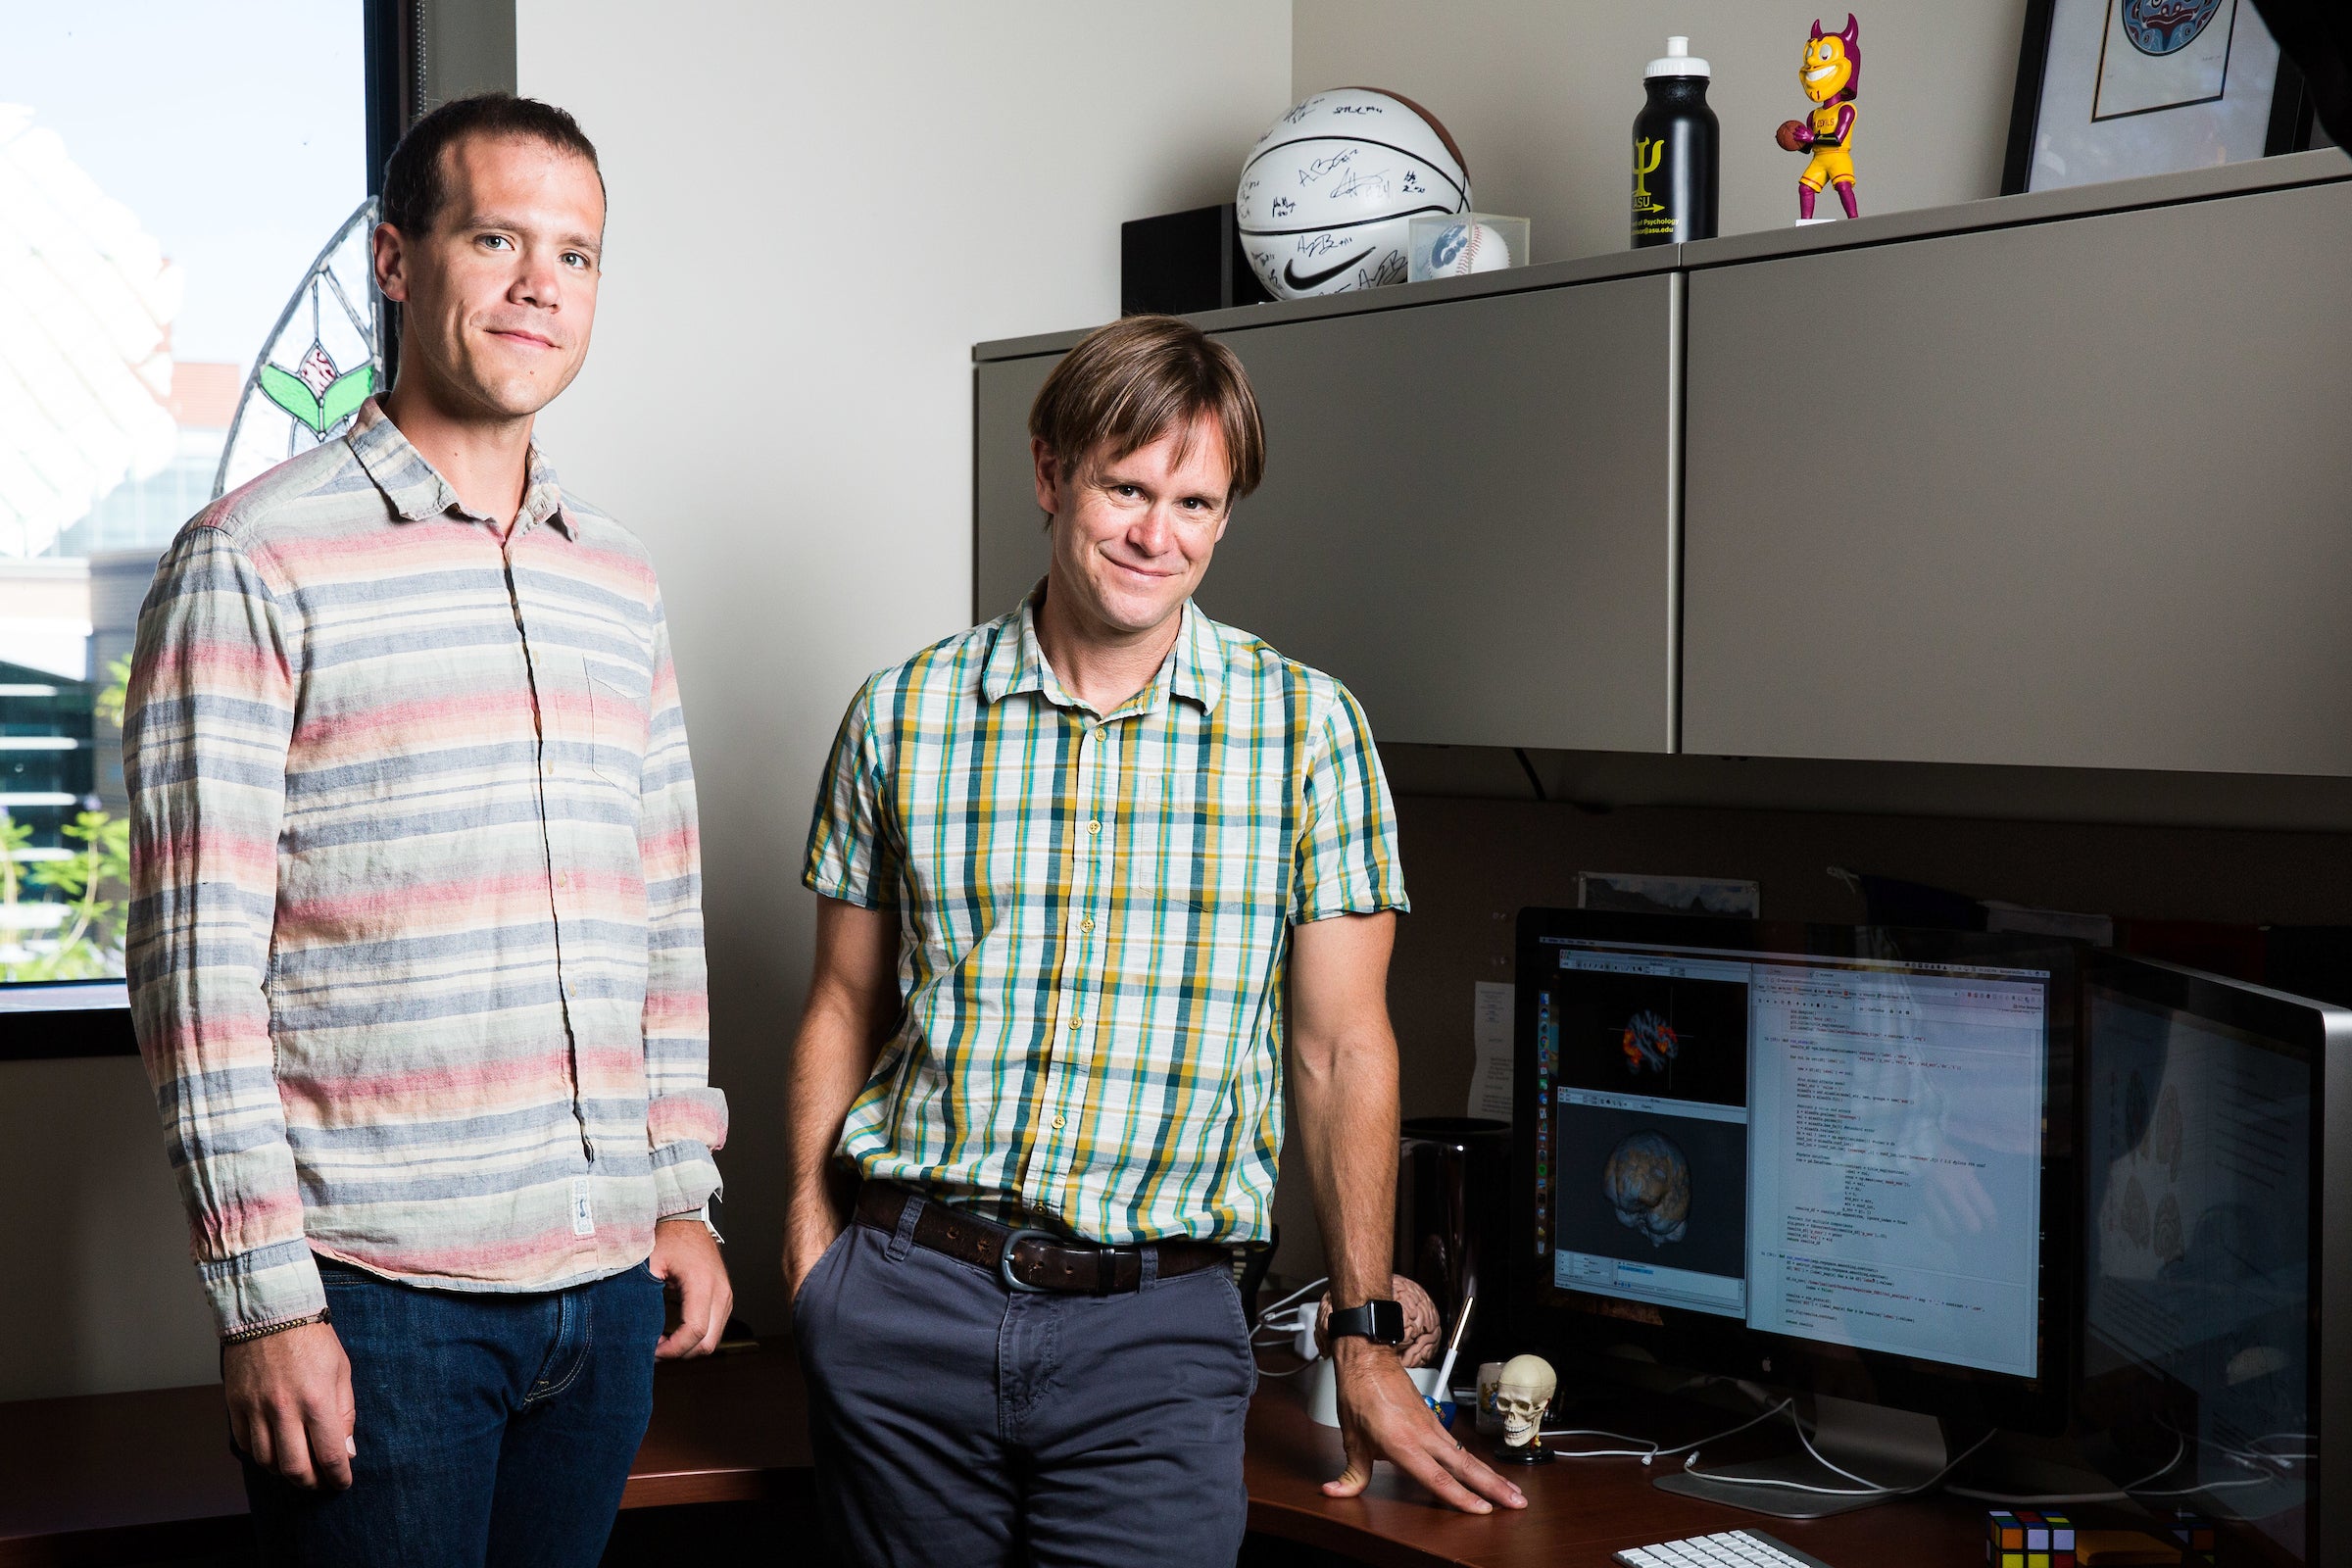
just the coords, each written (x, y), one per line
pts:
(1542, 794)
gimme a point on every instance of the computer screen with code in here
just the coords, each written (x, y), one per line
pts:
(1842, 1150)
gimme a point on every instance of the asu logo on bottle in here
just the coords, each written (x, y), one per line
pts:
(1648, 153)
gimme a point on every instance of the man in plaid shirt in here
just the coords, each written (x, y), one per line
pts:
(1084, 871)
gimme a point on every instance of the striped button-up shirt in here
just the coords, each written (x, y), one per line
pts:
(1094, 913)
(415, 946)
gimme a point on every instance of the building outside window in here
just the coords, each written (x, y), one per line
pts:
(182, 255)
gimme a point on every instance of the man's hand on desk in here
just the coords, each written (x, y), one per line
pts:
(1382, 1417)
(289, 1404)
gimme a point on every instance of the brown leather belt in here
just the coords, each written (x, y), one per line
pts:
(1031, 1260)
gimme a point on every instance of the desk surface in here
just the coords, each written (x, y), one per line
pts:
(121, 1477)
(1578, 1513)
(113, 1477)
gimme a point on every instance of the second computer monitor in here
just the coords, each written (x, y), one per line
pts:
(1820, 1155)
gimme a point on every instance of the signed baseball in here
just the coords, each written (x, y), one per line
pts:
(1467, 248)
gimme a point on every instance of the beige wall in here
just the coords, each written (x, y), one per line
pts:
(99, 1294)
(1541, 95)
(816, 211)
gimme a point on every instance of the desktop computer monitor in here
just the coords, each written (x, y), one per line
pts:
(1829, 1159)
(2216, 1351)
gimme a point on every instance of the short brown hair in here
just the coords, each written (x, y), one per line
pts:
(415, 188)
(1128, 385)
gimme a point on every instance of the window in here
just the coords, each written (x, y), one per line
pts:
(182, 254)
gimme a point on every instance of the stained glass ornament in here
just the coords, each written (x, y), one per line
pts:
(318, 363)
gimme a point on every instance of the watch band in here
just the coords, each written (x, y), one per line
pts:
(1380, 1322)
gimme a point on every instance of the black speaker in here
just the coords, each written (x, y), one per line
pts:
(1178, 262)
(1453, 1193)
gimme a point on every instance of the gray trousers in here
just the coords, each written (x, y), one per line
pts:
(959, 1422)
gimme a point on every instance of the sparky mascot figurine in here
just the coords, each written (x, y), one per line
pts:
(1832, 76)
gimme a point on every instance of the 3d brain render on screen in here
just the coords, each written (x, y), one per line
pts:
(1647, 1181)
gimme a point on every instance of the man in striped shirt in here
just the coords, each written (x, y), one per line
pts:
(416, 946)
(1084, 873)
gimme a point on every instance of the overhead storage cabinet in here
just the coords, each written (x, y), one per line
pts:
(2076, 493)
(1465, 513)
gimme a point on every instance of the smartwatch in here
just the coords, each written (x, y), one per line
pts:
(1380, 1322)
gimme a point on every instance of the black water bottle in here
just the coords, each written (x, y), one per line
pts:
(1674, 152)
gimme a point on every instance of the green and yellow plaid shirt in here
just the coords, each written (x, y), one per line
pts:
(1094, 915)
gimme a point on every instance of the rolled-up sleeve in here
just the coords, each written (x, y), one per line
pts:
(686, 1118)
(1346, 850)
(206, 728)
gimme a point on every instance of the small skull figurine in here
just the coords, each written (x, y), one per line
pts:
(1522, 1397)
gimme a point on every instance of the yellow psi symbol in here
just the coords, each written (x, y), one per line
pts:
(1648, 153)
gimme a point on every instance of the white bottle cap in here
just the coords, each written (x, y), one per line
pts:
(1679, 62)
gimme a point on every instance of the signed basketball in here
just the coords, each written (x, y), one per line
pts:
(1328, 194)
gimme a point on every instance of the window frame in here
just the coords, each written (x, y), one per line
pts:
(397, 39)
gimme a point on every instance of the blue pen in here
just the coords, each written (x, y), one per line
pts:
(1461, 1326)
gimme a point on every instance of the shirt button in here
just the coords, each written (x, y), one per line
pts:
(1057, 1123)
(1094, 827)
(1086, 925)
(563, 879)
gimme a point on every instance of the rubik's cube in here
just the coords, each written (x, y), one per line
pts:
(2194, 1531)
(2024, 1540)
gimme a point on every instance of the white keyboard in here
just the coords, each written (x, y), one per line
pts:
(1733, 1548)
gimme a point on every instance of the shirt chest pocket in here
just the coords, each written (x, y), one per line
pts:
(619, 719)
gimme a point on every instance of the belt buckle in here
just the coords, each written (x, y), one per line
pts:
(1004, 1263)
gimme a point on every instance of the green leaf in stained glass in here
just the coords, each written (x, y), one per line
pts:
(285, 389)
(348, 391)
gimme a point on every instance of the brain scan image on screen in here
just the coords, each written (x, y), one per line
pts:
(1650, 1043)
(1648, 1182)
(1661, 1037)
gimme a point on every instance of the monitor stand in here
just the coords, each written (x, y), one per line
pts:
(1892, 1447)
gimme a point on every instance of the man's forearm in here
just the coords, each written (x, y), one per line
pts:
(852, 1004)
(1346, 1098)
(830, 1061)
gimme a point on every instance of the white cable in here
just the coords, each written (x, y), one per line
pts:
(1286, 1327)
(2268, 1457)
(2131, 1491)
(2053, 1500)
(1867, 1488)
(1269, 1311)
(1652, 1450)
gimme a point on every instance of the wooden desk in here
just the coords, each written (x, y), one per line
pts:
(1577, 1511)
(120, 1478)
(126, 1477)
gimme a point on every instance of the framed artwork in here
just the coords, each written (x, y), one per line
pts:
(2113, 90)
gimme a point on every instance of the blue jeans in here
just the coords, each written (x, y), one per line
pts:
(492, 1429)
(958, 1424)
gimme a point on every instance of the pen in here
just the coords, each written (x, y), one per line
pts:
(1453, 1348)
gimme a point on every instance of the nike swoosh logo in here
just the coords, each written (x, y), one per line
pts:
(1290, 271)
